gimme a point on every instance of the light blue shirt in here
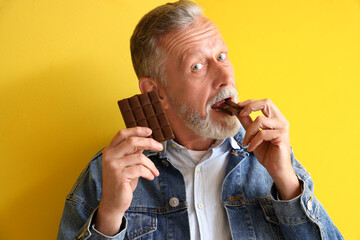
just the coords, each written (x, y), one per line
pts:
(204, 173)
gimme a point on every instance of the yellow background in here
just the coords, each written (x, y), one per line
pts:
(64, 64)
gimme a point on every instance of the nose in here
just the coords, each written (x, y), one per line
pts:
(223, 75)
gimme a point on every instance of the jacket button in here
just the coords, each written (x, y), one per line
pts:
(174, 202)
(165, 163)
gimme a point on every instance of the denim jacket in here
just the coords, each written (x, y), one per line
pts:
(248, 196)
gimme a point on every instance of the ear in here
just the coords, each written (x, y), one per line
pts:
(148, 84)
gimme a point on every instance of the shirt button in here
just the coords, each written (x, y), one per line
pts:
(200, 206)
(197, 169)
(174, 202)
(165, 163)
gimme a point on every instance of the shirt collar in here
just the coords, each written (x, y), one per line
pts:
(234, 144)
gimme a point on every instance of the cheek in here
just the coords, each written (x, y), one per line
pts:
(195, 98)
(199, 100)
(192, 91)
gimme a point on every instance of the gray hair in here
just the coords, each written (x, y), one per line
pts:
(148, 59)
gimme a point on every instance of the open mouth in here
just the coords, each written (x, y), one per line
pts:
(218, 104)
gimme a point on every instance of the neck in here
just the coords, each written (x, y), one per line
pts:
(193, 141)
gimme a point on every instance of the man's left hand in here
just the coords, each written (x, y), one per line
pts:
(269, 139)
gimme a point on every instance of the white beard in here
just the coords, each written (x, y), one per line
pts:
(205, 126)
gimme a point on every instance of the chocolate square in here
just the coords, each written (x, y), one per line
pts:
(230, 108)
(145, 110)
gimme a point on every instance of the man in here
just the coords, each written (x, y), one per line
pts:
(214, 181)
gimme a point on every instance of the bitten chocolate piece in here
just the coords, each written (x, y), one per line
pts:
(145, 110)
(230, 108)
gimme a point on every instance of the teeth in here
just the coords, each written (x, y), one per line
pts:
(216, 106)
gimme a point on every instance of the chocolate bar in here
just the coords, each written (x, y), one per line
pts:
(145, 110)
(230, 108)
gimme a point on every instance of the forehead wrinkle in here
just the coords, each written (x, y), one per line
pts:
(180, 42)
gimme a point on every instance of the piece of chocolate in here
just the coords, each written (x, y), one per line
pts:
(145, 110)
(230, 108)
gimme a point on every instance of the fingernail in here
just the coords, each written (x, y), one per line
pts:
(160, 146)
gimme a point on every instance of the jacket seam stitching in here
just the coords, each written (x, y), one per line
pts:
(143, 231)
(162, 210)
(73, 198)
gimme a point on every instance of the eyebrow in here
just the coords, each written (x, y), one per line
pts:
(182, 60)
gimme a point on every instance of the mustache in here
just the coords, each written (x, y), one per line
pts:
(229, 92)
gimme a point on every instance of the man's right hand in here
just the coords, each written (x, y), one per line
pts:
(123, 163)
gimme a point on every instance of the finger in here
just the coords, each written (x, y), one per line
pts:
(138, 159)
(244, 103)
(137, 171)
(263, 136)
(260, 122)
(123, 134)
(134, 144)
(266, 106)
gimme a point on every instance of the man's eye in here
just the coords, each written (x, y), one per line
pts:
(221, 57)
(197, 67)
